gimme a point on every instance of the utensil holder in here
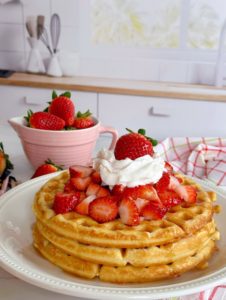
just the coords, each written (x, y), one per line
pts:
(35, 62)
(54, 68)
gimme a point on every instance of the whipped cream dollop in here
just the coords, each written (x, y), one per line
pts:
(128, 172)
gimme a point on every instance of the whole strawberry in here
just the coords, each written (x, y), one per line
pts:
(44, 120)
(47, 168)
(83, 120)
(133, 145)
(63, 107)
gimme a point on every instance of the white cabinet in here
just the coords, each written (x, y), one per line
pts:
(15, 101)
(163, 117)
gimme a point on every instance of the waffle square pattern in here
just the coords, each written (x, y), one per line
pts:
(114, 252)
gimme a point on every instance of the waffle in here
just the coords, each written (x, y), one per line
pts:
(115, 252)
(138, 257)
(123, 274)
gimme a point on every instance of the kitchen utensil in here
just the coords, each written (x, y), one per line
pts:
(29, 29)
(31, 25)
(55, 29)
(45, 39)
(35, 63)
(40, 25)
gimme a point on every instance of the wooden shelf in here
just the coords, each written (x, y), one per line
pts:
(119, 86)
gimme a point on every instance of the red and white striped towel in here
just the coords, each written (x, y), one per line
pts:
(204, 158)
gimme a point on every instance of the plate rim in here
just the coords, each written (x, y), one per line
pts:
(62, 286)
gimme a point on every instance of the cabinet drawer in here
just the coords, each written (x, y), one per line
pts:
(163, 117)
(15, 101)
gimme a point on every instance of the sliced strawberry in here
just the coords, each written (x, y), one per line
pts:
(187, 192)
(141, 203)
(118, 189)
(80, 184)
(68, 187)
(174, 183)
(128, 212)
(180, 179)
(65, 202)
(163, 182)
(142, 191)
(96, 177)
(103, 209)
(92, 189)
(168, 167)
(103, 192)
(83, 207)
(169, 198)
(153, 211)
(80, 171)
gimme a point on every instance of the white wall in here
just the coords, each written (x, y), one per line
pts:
(14, 47)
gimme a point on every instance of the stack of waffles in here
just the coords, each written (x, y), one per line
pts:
(116, 252)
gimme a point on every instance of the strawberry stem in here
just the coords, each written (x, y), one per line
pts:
(49, 162)
(84, 115)
(27, 118)
(66, 94)
(54, 94)
(143, 132)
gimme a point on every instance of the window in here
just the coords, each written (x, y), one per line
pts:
(167, 40)
(168, 29)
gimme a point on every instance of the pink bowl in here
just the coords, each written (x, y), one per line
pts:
(64, 148)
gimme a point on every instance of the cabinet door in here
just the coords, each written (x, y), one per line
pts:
(15, 101)
(163, 117)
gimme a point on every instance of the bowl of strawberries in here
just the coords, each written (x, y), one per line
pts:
(59, 133)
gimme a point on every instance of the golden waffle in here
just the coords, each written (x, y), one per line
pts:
(180, 221)
(115, 252)
(139, 257)
(65, 261)
(124, 274)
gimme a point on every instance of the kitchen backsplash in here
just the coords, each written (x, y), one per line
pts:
(14, 48)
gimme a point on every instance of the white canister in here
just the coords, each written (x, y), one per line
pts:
(69, 62)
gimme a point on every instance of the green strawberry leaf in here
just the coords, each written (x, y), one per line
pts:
(153, 141)
(9, 165)
(83, 115)
(54, 94)
(1, 147)
(46, 109)
(143, 132)
(66, 94)
(49, 162)
(27, 117)
(69, 128)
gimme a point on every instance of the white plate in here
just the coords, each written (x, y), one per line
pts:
(18, 257)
